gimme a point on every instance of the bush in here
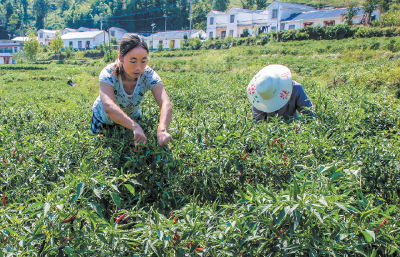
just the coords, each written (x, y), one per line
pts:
(159, 47)
(245, 33)
(195, 44)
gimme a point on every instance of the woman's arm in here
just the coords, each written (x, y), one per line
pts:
(164, 103)
(117, 115)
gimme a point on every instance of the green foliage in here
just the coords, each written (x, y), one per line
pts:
(350, 13)
(224, 186)
(31, 46)
(245, 33)
(159, 47)
(171, 45)
(56, 44)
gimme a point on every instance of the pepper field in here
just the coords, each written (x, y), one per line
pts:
(225, 186)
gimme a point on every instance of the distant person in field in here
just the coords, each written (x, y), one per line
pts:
(272, 92)
(122, 88)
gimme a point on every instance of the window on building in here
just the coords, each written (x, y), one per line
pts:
(274, 13)
(80, 44)
(291, 26)
(211, 20)
(232, 18)
(282, 26)
(329, 23)
(305, 24)
(151, 42)
(273, 28)
(40, 35)
(112, 32)
(231, 32)
(15, 49)
(211, 35)
(70, 43)
(160, 42)
(87, 46)
(223, 34)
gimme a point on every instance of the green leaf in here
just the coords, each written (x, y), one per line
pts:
(79, 191)
(116, 199)
(130, 188)
(369, 235)
(69, 249)
(35, 237)
(336, 176)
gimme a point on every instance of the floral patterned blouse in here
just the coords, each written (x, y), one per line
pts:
(130, 104)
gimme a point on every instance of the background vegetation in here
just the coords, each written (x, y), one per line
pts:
(22, 17)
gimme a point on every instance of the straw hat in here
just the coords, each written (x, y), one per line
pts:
(271, 88)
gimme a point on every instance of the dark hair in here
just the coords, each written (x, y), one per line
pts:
(128, 43)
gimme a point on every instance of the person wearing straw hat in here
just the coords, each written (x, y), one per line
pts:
(272, 92)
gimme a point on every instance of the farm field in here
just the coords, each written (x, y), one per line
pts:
(225, 186)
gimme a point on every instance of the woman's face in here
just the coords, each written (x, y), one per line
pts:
(134, 62)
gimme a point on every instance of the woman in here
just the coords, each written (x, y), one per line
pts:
(122, 88)
(272, 92)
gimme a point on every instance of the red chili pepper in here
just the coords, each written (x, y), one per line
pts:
(383, 222)
(50, 224)
(273, 142)
(4, 199)
(20, 158)
(189, 163)
(307, 152)
(70, 219)
(54, 208)
(280, 144)
(240, 174)
(15, 150)
(249, 180)
(5, 161)
(176, 238)
(284, 157)
(171, 148)
(180, 155)
(120, 218)
(134, 246)
(272, 165)
(199, 249)
(244, 158)
(136, 151)
(84, 146)
(295, 130)
(376, 230)
(176, 218)
(241, 254)
(171, 214)
(189, 244)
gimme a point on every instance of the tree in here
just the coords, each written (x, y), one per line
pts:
(220, 5)
(350, 13)
(383, 6)
(369, 7)
(171, 45)
(56, 44)
(40, 8)
(261, 4)
(247, 4)
(31, 46)
(13, 23)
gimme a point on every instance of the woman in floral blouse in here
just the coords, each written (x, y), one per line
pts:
(122, 88)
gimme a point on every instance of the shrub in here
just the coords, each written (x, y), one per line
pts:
(159, 47)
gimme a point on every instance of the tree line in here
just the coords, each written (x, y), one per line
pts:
(20, 17)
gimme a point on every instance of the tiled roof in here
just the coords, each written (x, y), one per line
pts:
(49, 31)
(81, 35)
(246, 10)
(172, 34)
(322, 14)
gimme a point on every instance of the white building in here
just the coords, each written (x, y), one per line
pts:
(176, 36)
(85, 40)
(322, 18)
(235, 21)
(118, 33)
(285, 16)
(7, 49)
(45, 36)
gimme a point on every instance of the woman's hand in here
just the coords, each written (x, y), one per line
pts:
(163, 137)
(138, 135)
